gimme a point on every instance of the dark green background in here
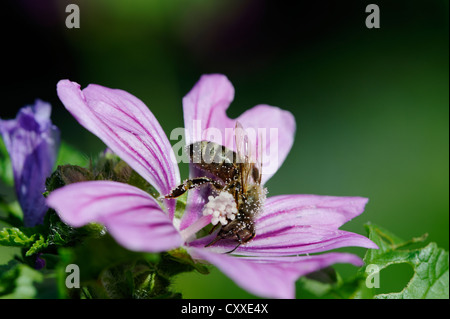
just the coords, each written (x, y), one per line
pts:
(371, 105)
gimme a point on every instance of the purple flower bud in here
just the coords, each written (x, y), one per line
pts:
(39, 263)
(32, 142)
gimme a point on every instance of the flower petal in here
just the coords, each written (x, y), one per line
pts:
(128, 128)
(271, 277)
(309, 210)
(132, 216)
(205, 107)
(32, 142)
(300, 224)
(297, 241)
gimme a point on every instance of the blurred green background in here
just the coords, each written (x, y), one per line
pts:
(371, 105)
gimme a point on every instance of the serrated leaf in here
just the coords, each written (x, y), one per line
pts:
(430, 264)
(59, 233)
(118, 281)
(15, 237)
(40, 244)
(431, 276)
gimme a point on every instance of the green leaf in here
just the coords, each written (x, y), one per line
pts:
(430, 279)
(118, 281)
(30, 239)
(429, 263)
(178, 260)
(61, 234)
(15, 237)
(39, 245)
(53, 232)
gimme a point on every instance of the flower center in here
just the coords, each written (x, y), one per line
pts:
(222, 208)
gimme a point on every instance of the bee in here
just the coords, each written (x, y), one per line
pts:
(236, 173)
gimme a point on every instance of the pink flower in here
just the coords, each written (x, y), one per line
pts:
(289, 228)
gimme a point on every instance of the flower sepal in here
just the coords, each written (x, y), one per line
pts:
(182, 257)
(138, 280)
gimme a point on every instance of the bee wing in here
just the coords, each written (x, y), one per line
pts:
(247, 156)
(257, 168)
(241, 140)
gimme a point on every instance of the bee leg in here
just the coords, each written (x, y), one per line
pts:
(192, 183)
(239, 243)
(217, 238)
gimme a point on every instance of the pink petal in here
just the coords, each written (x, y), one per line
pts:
(128, 128)
(298, 241)
(271, 277)
(300, 224)
(305, 210)
(133, 217)
(206, 105)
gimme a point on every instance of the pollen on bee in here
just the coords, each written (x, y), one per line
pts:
(222, 208)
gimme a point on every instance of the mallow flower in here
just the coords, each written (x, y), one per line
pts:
(290, 229)
(32, 142)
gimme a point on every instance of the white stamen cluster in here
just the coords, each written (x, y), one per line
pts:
(222, 208)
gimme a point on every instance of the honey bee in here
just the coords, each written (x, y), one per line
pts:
(236, 173)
